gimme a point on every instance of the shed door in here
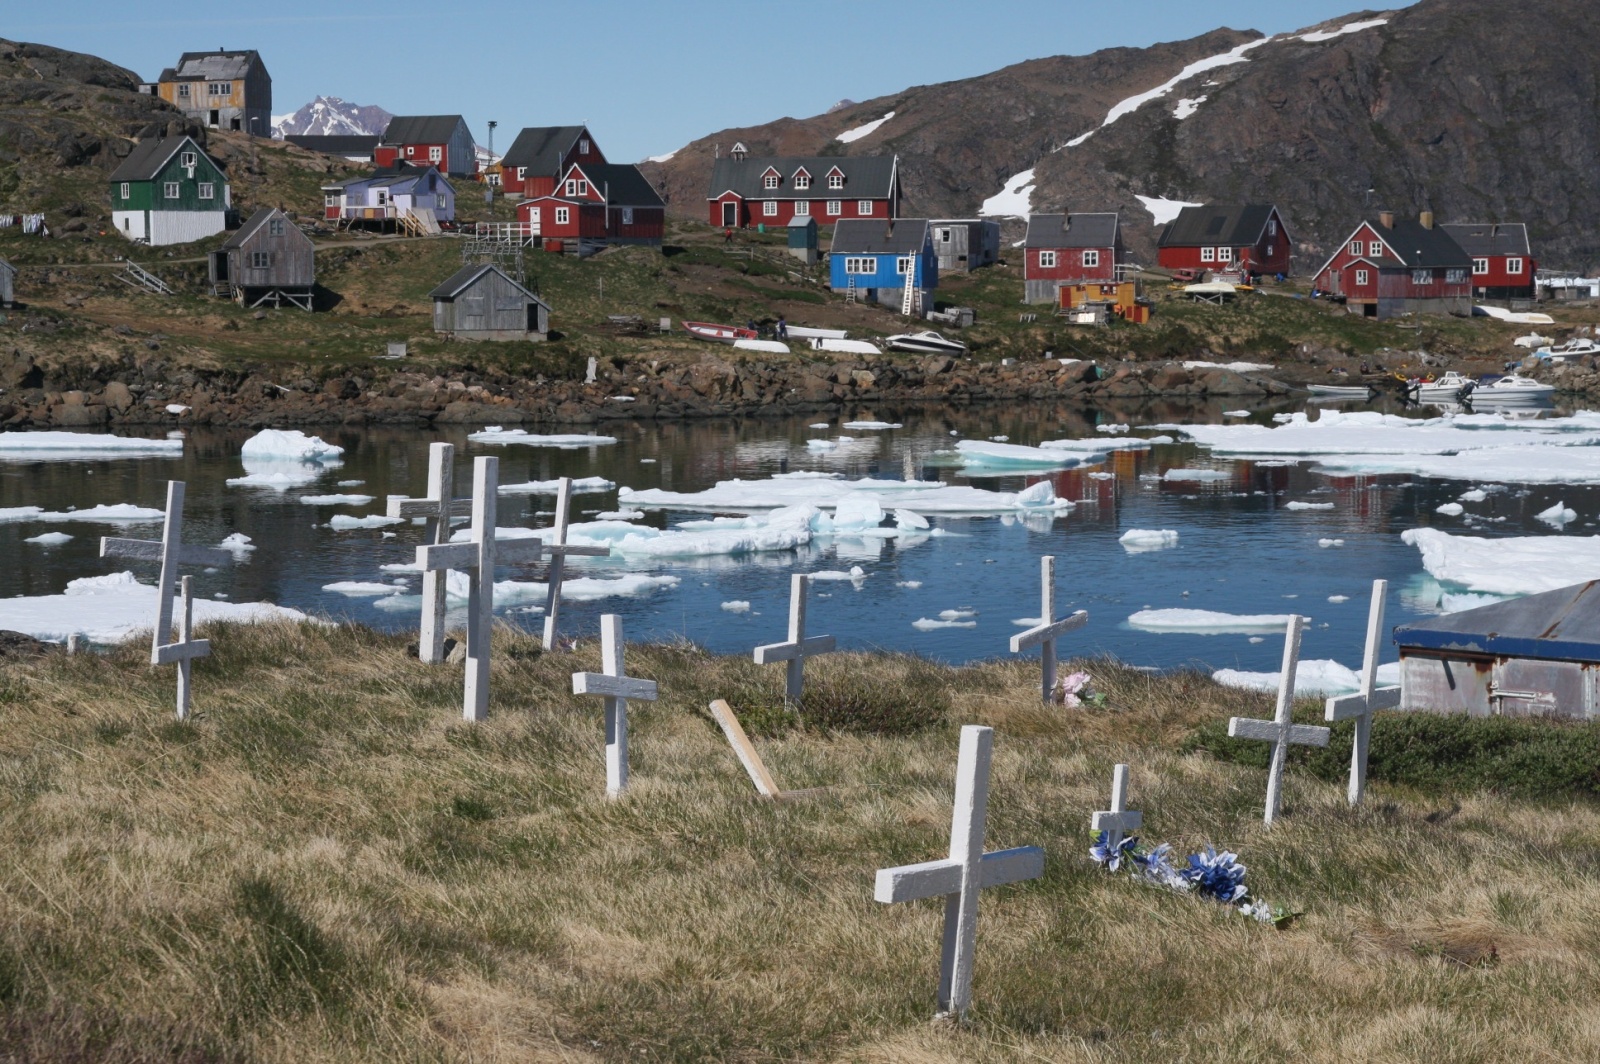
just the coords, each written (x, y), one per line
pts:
(730, 214)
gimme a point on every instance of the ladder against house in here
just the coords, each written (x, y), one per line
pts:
(136, 275)
(850, 290)
(419, 221)
(908, 300)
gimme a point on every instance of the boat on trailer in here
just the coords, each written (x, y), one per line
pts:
(926, 342)
(721, 334)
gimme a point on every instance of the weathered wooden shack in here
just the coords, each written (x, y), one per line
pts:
(482, 303)
(269, 260)
(8, 284)
(965, 244)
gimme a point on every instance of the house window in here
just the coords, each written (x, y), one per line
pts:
(1421, 276)
(583, 188)
(125, 190)
(903, 264)
(862, 265)
(835, 208)
(219, 88)
(1047, 260)
(183, 92)
(864, 208)
(1361, 278)
(562, 215)
(186, 160)
(260, 260)
(770, 181)
(1272, 228)
(583, 146)
(836, 181)
(1480, 267)
(802, 180)
(1357, 248)
(411, 149)
(627, 216)
(1456, 276)
(1208, 254)
(1514, 266)
(207, 190)
(1271, 250)
(1224, 254)
(572, 187)
(1091, 258)
(769, 208)
(522, 172)
(802, 208)
(435, 154)
(170, 190)
(275, 227)
(331, 199)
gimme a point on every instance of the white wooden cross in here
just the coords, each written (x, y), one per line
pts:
(1280, 731)
(798, 647)
(438, 508)
(1361, 705)
(171, 552)
(1044, 634)
(960, 877)
(617, 687)
(1119, 820)
(559, 551)
(479, 554)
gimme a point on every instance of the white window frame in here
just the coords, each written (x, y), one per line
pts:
(563, 215)
(1480, 267)
(836, 181)
(126, 190)
(903, 264)
(1361, 278)
(1091, 259)
(864, 208)
(436, 154)
(330, 199)
(183, 91)
(1047, 260)
(627, 216)
(1422, 277)
(583, 146)
(859, 265)
(207, 190)
(572, 186)
(1208, 254)
(1272, 227)
(802, 208)
(1375, 249)
(522, 173)
(169, 190)
(1358, 247)
(1271, 250)
(1455, 276)
(186, 160)
(769, 208)
(771, 181)
(1514, 266)
(802, 180)
(1224, 254)
(219, 88)
(411, 149)
(835, 208)
(583, 187)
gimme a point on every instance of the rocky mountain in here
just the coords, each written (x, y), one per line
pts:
(1483, 110)
(328, 116)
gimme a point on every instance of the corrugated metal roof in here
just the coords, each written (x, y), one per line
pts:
(422, 129)
(1557, 625)
(622, 184)
(1419, 247)
(879, 236)
(865, 177)
(1072, 230)
(1490, 238)
(540, 148)
(213, 66)
(257, 220)
(148, 156)
(1224, 224)
(467, 276)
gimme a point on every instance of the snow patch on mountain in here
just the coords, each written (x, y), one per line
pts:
(330, 116)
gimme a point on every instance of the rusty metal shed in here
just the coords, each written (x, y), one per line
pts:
(1532, 656)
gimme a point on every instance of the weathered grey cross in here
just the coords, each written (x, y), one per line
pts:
(1044, 634)
(1361, 705)
(438, 507)
(960, 877)
(1280, 731)
(617, 688)
(171, 552)
(798, 647)
(1119, 820)
(480, 553)
(559, 551)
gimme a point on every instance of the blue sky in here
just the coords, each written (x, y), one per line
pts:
(647, 76)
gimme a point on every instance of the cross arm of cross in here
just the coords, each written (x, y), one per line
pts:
(151, 551)
(405, 506)
(932, 879)
(567, 550)
(172, 653)
(1273, 732)
(1121, 820)
(599, 683)
(772, 652)
(1045, 632)
(432, 556)
(1348, 707)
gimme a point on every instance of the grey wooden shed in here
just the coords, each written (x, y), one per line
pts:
(269, 260)
(482, 303)
(8, 284)
(965, 244)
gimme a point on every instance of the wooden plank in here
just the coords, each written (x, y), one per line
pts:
(1348, 707)
(558, 566)
(142, 549)
(932, 879)
(1272, 732)
(626, 687)
(1048, 632)
(776, 652)
(742, 747)
(404, 506)
(172, 653)
(447, 556)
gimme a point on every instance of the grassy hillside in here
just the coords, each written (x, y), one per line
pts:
(327, 864)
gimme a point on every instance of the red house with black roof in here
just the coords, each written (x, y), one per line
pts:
(747, 190)
(1502, 260)
(540, 156)
(1069, 249)
(1226, 237)
(595, 205)
(443, 141)
(1390, 266)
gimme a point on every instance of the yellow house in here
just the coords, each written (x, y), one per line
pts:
(220, 90)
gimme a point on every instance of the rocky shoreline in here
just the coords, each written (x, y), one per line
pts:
(150, 390)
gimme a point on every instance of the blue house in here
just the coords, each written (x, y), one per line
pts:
(872, 256)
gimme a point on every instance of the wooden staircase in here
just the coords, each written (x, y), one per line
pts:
(139, 277)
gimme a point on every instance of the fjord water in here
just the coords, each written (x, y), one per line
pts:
(1240, 549)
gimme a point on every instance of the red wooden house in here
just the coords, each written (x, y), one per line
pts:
(1502, 260)
(1389, 267)
(1248, 238)
(748, 191)
(596, 205)
(1069, 249)
(443, 141)
(540, 156)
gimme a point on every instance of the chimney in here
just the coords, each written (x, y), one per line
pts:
(1425, 219)
(1386, 219)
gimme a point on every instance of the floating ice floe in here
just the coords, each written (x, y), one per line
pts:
(856, 575)
(1296, 504)
(525, 592)
(497, 435)
(871, 425)
(928, 624)
(49, 539)
(580, 486)
(1330, 542)
(346, 522)
(1139, 540)
(336, 500)
(736, 606)
(619, 515)
(1207, 622)
(1475, 495)
(288, 445)
(1449, 509)
(108, 609)
(1336, 599)
(1317, 676)
(1513, 565)
(361, 588)
(1558, 515)
(60, 446)
(1197, 475)
(117, 514)
(819, 425)
(238, 544)
(826, 490)
(909, 584)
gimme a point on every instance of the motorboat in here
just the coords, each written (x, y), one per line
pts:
(1340, 391)
(807, 332)
(927, 342)
(1510, 390)
(1577, 347)
(772, 347)
(845, 347)
(1449, 388)
(721, 334)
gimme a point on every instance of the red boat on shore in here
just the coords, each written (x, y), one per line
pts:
(721, 334)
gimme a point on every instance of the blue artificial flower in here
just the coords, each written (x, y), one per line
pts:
(1111, 856)
(1156, 867)
(1219, 875)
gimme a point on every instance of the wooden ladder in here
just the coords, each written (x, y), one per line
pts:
(908, 301)
(850, 290)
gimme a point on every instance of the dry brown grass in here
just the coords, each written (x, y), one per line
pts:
(328, 865)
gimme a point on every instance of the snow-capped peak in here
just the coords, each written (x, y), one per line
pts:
(331, 116)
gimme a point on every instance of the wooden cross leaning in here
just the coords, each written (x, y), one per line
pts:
(438, 507)
(559, 552)
(1280, 731)
(1360, 706)
(794, 651)
(480, 554)
(171, 552)
(1044, 634)
(617, 687)
(960, 877)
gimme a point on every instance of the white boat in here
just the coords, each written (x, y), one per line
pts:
(721, 334)
(927, 342)
(1574, 348)
(806, 332)
(1510, 390)
(1532, 340)
(1446, 389)
(773, 347)
(845, 347)
(1340, 391)
(1529, 317)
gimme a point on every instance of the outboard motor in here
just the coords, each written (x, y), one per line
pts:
(1464, 394)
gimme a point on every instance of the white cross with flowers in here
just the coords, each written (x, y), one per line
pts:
(1280, 731)
(1044, 634)
(1360, 706)
(1119, 820)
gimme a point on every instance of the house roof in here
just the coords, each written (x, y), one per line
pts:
(257, 220)
(1224, 224)
(213, 66)
(865, 177)
(1408, 244)
(1480, 239)
(148, 156)
(392, 176)
(1072, 230)
(540, 148)
(422, 129)
(622, 184)
(879, 236)
(1562, 625)
(340, 144)
(468, 276)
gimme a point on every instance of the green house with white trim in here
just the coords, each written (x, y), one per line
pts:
(169, 191)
